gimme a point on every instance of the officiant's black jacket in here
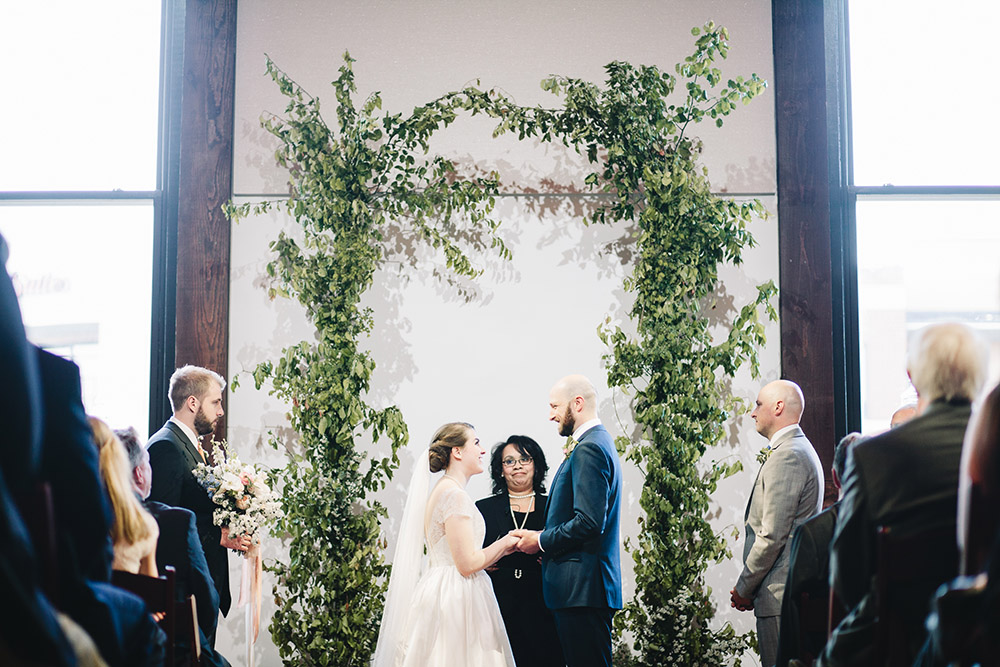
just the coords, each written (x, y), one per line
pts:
(172, 457)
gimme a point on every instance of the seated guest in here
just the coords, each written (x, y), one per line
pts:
(20, 394)
(44, 414)
(809, 569)
(30, 631)
(133, 530)
(179, 547)
(518, 470)
(907, 479)
(903, 414)
(979, 487)
(118, 621)
(29, 628)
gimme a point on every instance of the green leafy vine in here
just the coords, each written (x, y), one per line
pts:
(351, 186)
(350, 183)
(676, 368)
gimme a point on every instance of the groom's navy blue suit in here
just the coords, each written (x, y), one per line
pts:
(581, 564)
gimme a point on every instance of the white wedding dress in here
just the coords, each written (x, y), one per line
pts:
(451, 621)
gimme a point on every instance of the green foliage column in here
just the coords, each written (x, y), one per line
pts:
(347, 186)
(677, 367)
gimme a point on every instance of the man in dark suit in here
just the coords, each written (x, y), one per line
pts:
(174, 451)
(809, 571)
(180, 547)
(906, 478)
(788, 491)
(581, 560)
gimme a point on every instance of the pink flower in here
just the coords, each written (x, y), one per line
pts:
(243, 503)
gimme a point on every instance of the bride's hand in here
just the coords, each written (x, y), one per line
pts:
(509, 543)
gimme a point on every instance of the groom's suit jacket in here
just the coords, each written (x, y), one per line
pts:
(581, 564)
(787, 492)
(172, 457)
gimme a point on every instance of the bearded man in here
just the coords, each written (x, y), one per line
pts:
(174, 451)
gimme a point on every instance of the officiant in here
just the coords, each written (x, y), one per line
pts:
(518, 470)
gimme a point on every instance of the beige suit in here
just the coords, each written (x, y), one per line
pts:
(787, 492)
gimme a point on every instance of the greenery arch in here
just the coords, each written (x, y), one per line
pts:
(348, 183)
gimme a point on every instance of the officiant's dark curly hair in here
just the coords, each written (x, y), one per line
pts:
(453, 434)
(527, 447)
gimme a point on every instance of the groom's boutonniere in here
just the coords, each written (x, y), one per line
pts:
(763, 454)
(570, 445)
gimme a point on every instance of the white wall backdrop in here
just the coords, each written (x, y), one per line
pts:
(489, 359)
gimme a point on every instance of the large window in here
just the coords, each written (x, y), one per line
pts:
(925, 183)
(79, 187)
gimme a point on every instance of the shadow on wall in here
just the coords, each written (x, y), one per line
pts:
(757, 176)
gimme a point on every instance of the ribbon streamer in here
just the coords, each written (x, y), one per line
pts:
(250, 585)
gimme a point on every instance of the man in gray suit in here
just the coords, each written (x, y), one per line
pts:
(787, 492)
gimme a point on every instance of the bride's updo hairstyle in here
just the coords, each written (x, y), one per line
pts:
(450, 435)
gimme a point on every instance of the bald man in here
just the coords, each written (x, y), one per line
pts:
(581, 555)
(903, 414)
(787, 492)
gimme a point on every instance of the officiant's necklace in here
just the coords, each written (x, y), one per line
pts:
(531, 506)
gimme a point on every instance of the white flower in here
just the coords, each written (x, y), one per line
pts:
(231, 482)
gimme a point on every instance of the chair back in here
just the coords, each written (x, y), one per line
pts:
(911, 565)
(158, 594)
(981, 533)
(813, 624)
(187, 629)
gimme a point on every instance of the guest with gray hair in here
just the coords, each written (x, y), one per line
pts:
(180, 547)
(905, 478)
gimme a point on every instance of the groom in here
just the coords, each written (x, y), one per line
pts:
(581, 563)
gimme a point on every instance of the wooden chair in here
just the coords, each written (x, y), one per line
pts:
(984, 518)
(911, 565)
(158, 593)
(835, 612)
(814, 623)
(187, 628)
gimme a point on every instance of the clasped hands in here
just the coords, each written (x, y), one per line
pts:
(739, 602)
(526, 541)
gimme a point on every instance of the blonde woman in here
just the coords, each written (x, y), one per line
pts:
(133, 529)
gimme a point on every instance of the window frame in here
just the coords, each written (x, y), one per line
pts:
(164, 201)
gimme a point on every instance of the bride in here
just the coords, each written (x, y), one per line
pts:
(444, 614)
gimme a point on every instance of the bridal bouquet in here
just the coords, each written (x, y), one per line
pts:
(244, 499)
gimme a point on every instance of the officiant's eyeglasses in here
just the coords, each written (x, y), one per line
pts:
(511, 462)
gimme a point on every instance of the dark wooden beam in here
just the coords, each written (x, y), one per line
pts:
(807, 99)
(205, 183)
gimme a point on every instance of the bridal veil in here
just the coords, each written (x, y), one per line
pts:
(407, 565)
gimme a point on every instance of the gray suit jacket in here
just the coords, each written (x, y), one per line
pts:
(788, 490)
